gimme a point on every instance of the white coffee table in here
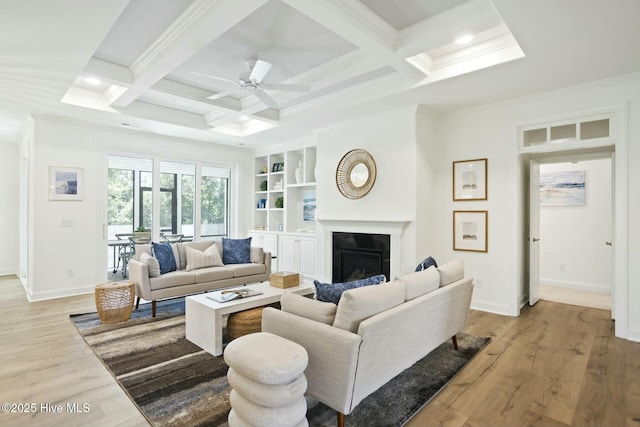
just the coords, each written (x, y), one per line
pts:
(205, 318)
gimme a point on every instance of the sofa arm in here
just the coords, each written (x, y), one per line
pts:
(267, 262)
(333, 355)
(139, 273)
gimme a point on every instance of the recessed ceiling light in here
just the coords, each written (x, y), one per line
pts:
(92, 80)
(464, 39)
(244, 117)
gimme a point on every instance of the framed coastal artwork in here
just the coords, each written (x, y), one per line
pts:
(564, 188)
(470, 231)
(309, 205)
(65, 183)
(470, 180)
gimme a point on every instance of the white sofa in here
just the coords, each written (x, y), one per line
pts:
(374, 332)
(184, 282)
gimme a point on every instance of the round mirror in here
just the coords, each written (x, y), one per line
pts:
(359, 175)
(356, 174)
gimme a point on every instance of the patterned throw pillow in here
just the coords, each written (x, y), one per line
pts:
(198, 259)
(426, 263)
(163, 252)
(236, 251)
(332, 292)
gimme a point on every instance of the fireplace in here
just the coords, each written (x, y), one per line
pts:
(360, 255)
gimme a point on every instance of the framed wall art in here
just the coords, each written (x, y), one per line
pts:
(470, 180)
(65, 183)
(470, 231)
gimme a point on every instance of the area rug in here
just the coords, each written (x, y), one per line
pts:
(175, 383)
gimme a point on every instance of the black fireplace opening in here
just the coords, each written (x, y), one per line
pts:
(360, 255)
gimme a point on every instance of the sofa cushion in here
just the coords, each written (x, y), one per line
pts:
(200, 245)
(421, 282)
(174, 278)
(359, 304)
(319, 311)
(198, 259)
(152, 264)
(331, 292)
(241, 270)
(257, 255)
(211, 274)
(236, 251)
(426, 263)
(451, 272)
(163, 252)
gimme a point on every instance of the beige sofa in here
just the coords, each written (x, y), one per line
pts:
(186, 281)
(374, 332)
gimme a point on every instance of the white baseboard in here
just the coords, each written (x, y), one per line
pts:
(8, 272)
(633, 334)
(60, 293)
(578, 286)
(491, 308)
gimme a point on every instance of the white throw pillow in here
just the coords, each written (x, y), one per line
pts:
(359, 304)
(198, 259)
(152, 264)
(319, 311)
(421, 282)
(451, 272)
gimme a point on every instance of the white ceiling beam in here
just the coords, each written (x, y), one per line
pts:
(201, 23)
(360, 26)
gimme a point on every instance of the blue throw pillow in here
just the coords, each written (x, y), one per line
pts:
(426, 263)
(236, 251)
(328, 292)
(163, 252)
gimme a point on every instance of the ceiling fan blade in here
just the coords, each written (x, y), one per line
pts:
(259, 71)
(232, 82)
(285, 86)
(223, 94)
(266, 99)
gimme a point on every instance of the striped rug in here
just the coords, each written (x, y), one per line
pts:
(175, 383)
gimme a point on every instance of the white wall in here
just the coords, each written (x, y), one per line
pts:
(9, 166)
(391, 139)
(71, 260)
(491, 131)
(573, 253)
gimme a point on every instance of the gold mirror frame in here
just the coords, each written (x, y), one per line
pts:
(344, 180)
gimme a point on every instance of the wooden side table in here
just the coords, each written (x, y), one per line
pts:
(114, 301)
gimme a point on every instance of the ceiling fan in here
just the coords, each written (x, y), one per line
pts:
(252, 82)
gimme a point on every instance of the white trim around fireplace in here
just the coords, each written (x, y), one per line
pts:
(392, 227)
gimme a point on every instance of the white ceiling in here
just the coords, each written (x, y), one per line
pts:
(357, 57)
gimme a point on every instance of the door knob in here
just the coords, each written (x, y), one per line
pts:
(608, 243)
(535, 240)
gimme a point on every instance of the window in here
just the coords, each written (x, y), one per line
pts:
(214, 207)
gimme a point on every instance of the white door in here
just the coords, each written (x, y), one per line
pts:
(534, 232)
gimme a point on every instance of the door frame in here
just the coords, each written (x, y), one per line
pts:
(605, 153)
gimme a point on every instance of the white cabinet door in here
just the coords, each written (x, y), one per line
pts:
(287, 253)
(307, 256)
(298, 253)
(268, 242)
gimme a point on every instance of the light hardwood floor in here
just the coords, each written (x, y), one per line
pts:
(555, 365)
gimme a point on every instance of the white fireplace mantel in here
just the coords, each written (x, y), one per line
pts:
(393, 227)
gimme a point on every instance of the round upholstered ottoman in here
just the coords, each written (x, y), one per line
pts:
(266, 374)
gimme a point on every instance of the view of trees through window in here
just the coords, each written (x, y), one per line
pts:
(130, 198)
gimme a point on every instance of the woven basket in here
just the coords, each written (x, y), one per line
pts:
(246, 322)
(114, 301)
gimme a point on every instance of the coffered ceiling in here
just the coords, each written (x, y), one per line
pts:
(173, 66)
